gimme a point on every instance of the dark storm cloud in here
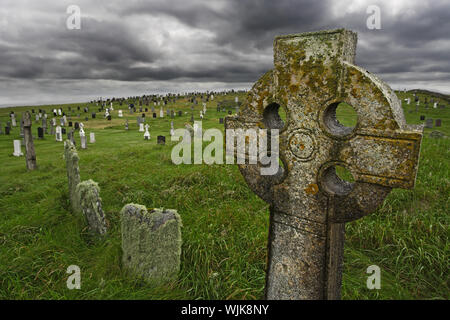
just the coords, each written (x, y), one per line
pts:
(204, 42)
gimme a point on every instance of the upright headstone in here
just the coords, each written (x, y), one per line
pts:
(147, 133)
(429, 123)
(422, 118)
(73, 174)
(59, 134)
(40, 133)
(309, 203)
(120, 113)
(29, 145)
(141, 127)
(151, 243)
(17, 148)
(162, 140)
(438, 122)
(92, 137)
(126, 125)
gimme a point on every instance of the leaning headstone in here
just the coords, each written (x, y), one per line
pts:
(309, 203)
(73, 174)
(151, 243)
(438, 122)
(17, 148)
(28, 139)
(88, 194)
(429, 123)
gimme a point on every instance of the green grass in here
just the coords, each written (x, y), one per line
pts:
(225, 224)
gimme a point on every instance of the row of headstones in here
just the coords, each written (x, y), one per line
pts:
(151, 241)
(429, 122)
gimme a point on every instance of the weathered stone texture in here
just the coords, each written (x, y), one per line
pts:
(313, 73)
(73, 174)
(88, 193)
(151, 242)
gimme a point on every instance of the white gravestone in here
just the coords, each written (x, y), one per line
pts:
(146, 134)
(172, 131)
(141, 127)
(161, 113)
(17, 148)
(120, 114)
(92, 137)
(435, 105)
(58, 134)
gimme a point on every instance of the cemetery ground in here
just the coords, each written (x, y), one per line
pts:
(225, 225)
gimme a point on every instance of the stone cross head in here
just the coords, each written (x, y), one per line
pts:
(310, 204)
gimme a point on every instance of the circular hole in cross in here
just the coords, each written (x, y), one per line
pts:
(274, 116)
(337, 180)
(340, 119)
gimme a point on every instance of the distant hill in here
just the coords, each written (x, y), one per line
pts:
(446, 97)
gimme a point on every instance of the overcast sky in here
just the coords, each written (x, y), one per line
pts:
(138, 47)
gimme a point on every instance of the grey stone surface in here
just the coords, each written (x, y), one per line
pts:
(88, 193)
(313, 73)
(73, 174)
(151, 242)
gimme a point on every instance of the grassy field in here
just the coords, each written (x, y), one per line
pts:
(225, 224)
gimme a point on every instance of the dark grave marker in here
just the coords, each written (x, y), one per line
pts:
(438, 122)
(162, 140)
(109, 118)
(70, 124)
(7, 130)
(221, 120)
(93, 115)
(77, 126)
(422, 118)
(40, 133)
(63, 130)
(154, 115)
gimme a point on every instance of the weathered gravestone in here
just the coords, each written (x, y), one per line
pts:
(309, 203)
(30, 154)
(88, 193)
(429, 123)
(438, 122)
(73, 174)
(151, 242)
